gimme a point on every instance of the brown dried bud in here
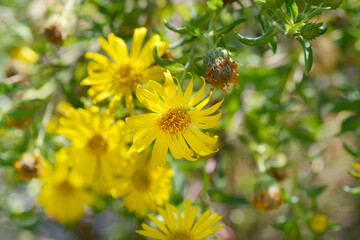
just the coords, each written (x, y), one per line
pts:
(55, 33)
(28, 167)
(267, 194)
(221, 70)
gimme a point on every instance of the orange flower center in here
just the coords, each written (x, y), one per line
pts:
(97, 144)
(174, 121)
(141, 180)
(65, 188)
(128, 73)
(180, 236)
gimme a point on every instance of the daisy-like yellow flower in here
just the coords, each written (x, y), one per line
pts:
(178, 227)
(118, 77)
(144, 188)
(175, 122)
(98, 145)
(62, 194)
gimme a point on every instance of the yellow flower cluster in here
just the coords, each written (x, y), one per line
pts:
(109, 156)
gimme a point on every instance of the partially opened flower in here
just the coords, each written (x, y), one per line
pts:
(63, 195)
(175, 122)
(28, 166)
(98, 145)
(221, 69)
(182, 227)
(118, 77)
(144, 188)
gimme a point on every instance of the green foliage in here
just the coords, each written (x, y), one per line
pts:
(295, 117)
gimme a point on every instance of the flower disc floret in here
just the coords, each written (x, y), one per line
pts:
(174, 120)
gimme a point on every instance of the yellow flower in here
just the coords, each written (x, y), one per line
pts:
(178, 227)
(144, 188)
(98, 144)
(25, 54)
(319, 223)
(176, 122)
(357, 167)
(62, 194)
(119, 76)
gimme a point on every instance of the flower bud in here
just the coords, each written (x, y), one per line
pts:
(314, 2)
(319, 223)
(25, 54)
(274, 4)
(333, 4)
(267, 194)
(55, 31)
(28, 166)
(221, 70)
(312, 30)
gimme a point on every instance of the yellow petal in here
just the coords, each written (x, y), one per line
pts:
(159, 154)
(119, 46)
(146, 55)
(198, 146)
(129, 102)
(207, 111)
(137, 42)
(196, 98)
(97, 57)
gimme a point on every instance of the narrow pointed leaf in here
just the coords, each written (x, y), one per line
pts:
(174, 29)
(229, 27)
(292, 8)
(168, 64)
(264, 39)
(308, 53)
(352, 152)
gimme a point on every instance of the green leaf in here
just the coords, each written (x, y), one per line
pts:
(352, 152)
(292, 8)
(273, 44)
(308, 53)
(227, 199)
(351, 123)
(264, 39)
(315, 191)
(7, 160)
(354, 190)
(182, 30)
(229, 27)
(168, 64)
(215, 4)
(264, 24)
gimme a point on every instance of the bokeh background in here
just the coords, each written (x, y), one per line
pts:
(307, 127)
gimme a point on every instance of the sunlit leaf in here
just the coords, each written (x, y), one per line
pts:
(264, 39)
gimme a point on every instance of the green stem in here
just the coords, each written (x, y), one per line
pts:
(187, 65)
(260, 162)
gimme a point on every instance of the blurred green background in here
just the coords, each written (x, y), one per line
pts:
(306, 127)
